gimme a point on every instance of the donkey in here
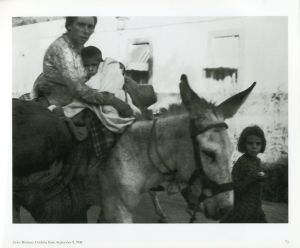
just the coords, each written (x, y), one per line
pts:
(191, 147)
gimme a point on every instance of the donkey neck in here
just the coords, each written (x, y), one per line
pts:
(172, 127)
(170, 136)
(151, 146)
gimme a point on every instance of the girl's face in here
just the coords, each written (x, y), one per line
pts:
(253, 145)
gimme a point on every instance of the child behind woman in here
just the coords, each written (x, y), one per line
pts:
(247, 176)
(104, 75)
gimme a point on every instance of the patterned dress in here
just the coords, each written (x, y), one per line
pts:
(63, 79)
(247, 192)
(64, 75)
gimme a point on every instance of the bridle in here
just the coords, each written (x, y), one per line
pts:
(207, 183)
(199, 172)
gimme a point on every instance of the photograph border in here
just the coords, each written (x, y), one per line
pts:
(153, 235)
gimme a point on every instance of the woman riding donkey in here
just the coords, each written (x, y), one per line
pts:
(64, 79)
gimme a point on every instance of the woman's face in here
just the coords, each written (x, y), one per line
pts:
(81, 29)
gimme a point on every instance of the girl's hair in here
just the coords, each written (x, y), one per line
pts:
(71, 19)
(252, 130)
(90, 52)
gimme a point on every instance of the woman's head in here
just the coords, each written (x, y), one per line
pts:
(80, 28)
(252, 140)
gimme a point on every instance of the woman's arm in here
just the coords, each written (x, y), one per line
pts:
(63, 65)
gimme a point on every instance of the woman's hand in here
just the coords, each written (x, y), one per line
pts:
(123, 108)
(136, 111)
(107, 98)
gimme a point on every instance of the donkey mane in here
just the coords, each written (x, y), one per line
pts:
(173, 109)
(178, 109)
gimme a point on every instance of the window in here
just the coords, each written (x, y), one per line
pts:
(223, 58)
(139, 62)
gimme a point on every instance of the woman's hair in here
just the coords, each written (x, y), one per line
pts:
(90, 52)
(252, 130)
(71, 19)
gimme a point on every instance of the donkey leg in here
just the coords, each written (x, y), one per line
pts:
(158, 209)
(115, 211)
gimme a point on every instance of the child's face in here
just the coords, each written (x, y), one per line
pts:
(253, 145)
(91, 65)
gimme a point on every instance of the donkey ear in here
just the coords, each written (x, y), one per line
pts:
(229, 107)
(187, 94)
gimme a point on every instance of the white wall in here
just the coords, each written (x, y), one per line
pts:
(266, 52)
(180, 45)
(29, 45)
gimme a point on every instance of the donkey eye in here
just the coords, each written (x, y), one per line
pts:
(210, 154)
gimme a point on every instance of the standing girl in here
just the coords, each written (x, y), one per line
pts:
(247, 176)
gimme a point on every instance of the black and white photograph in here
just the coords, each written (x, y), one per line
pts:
(113, 123)
(181, 121)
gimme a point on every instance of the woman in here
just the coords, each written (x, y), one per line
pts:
(64, 75)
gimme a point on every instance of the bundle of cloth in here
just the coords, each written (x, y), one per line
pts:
(110, 78)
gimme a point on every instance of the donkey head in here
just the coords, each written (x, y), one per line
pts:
(213, 147)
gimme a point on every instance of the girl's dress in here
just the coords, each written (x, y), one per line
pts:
(247, 192)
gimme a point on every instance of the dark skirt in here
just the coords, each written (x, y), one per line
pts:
(239, 215)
